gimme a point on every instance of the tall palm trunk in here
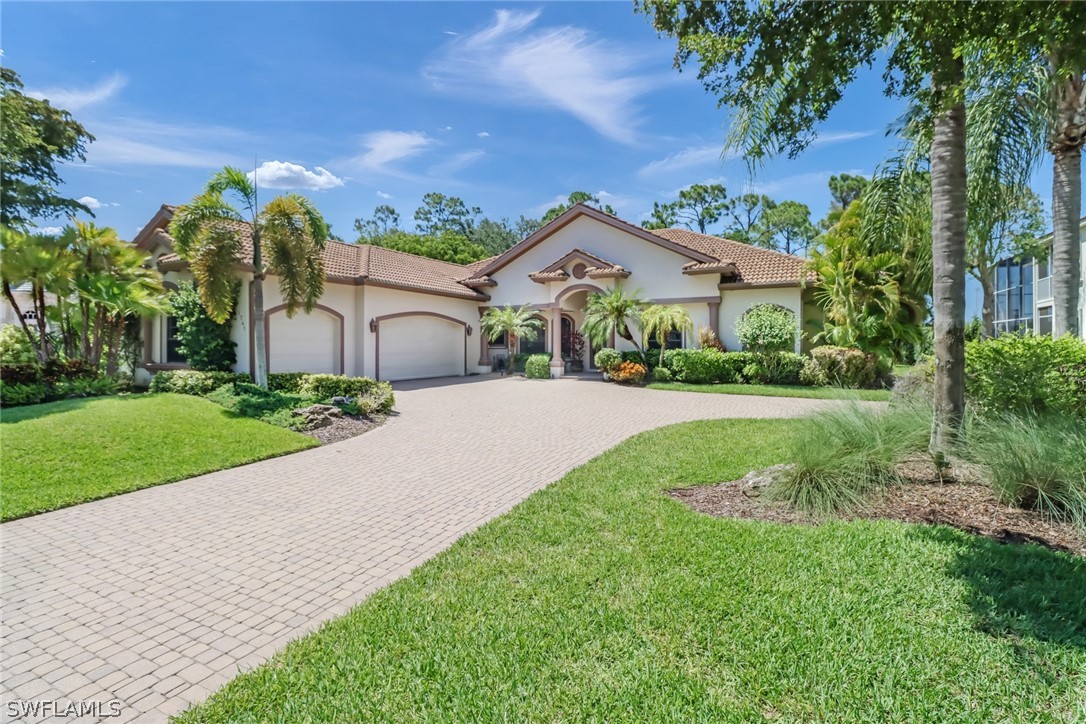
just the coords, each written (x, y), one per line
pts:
(948, 235)
(1065, 142)
(260, 364)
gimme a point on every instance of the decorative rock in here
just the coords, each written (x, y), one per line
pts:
(317, 416)
(342, 400)
(752, 484)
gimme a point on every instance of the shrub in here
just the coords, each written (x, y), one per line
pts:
(844, 454)
(324, 387)
(773, 368)
(521, 359)
(15, 348)
(1030, 374)
(1034, 462)
(629, 373)
(845, 367)
(767, 328)
(249, 400)
(56, 370)
(205, 343)
(915, 386)
(661, 374)
(538, 367)
(707, 339)
(193, 382)
(813, 374)
(21, 393)
(607, 359)
(631, 356)
(710, 366)
(84, 387)
(285, 381)
(21, 374)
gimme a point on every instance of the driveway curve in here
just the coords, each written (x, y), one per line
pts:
(157, 597)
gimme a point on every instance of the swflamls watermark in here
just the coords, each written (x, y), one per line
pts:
(45, 708)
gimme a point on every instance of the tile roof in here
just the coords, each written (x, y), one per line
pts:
(361, 262)
(753, 265)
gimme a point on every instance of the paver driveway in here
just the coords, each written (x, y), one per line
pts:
(157, 597)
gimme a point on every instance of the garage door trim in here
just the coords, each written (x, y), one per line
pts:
(375, 327)
(282, 307)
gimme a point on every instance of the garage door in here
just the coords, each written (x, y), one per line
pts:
(304, 343)
(415, 347)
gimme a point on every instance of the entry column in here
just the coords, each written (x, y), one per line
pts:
(558, 366)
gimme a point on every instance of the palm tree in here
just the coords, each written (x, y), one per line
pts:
(208, 233)
(660, 320)
(42, 262)
(516, 324)
(607, 312)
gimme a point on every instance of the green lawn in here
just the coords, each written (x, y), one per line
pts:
(601, 599)
(62, 453)
(818, 393)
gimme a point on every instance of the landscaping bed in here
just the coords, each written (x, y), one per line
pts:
(966, 504)
(817, 393)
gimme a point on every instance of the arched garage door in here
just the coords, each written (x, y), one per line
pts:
(413, 347)
(305, 342)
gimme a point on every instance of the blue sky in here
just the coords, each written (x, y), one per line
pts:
(509, 106)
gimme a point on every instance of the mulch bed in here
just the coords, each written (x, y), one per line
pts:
(343, 428)
(960, 502)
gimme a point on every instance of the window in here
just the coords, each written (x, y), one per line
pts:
(674, 340)
(1044, 320)
(501, 341)
(567, 343)
(1014, 296)
(537, 345)
(173, 355)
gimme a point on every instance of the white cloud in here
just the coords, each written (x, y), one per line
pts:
(805, 180)
(596, 81)
(286, 175)
(130, 141)
(49, 230)
(825, 139)
(483, 134)
(383, 195)
(687, 158)
(384, 147)
(90, 202)
(75, 99)
(446, 128)
(457, 162)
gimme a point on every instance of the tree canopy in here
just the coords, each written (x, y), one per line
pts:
(34, 138)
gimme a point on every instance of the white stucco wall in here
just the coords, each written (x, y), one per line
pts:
(338, 297)
(735, 303)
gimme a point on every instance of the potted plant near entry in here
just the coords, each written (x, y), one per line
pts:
(576, 351)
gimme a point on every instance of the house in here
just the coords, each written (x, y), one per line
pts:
(1023, 289)
(395, 316)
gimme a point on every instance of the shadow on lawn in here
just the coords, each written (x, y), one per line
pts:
(1019, 591)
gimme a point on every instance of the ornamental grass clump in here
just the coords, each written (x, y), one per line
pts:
(1034, 462)
(841, 456)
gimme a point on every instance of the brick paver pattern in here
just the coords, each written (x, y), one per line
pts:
(160, 596)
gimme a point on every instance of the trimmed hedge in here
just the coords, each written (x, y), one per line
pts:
(289, 382)
(607, 359)
(538, 367)
(193, 382)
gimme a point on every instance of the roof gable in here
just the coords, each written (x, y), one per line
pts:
(582, 210)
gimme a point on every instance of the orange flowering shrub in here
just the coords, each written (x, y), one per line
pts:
(629, 372)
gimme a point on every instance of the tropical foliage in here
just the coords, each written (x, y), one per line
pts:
(660, 320)
(285, 237)
(516, 324)
(871, 287)
(611, 312)
(767, 328)
(205, 343)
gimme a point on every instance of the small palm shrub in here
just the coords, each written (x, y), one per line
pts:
(1034, 462)
(1027, 374)
(767, 328)
(607, 359)
(538, 367)
(707, 339)
(630, 373)
(842, 455)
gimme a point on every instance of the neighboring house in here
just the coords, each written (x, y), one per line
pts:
(395, 316)
(24, 299)
(1024, 292)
